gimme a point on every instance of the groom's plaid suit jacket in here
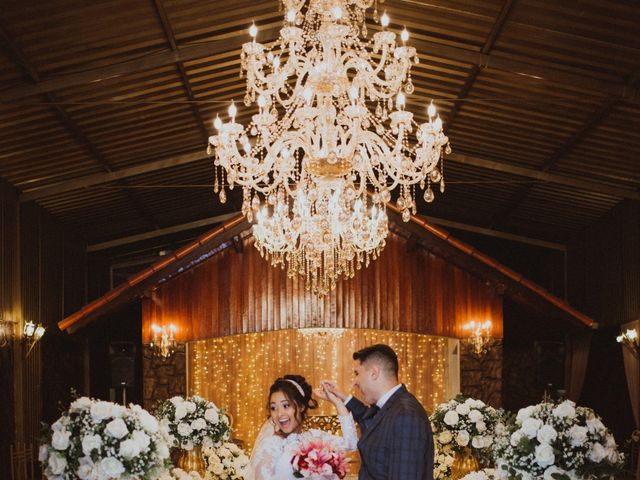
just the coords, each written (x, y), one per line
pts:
(397, 443)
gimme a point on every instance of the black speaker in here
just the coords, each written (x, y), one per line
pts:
(122, 358)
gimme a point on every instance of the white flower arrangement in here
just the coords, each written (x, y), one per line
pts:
(460, 423)
(192, 421)
(225, 461)
(557, 442)
(486, 474)
(94, 439)
(179, 474)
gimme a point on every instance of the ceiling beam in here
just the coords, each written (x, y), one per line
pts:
(200, 155)
(541, 176)
(270, 31)
(161, 232)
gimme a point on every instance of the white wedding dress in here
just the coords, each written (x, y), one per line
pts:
(272, 454)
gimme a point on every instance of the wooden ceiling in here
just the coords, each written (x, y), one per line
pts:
(106, 106)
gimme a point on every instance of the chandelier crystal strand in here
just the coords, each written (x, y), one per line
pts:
(330, 141)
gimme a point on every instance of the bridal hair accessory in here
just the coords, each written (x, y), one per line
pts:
(296, 384)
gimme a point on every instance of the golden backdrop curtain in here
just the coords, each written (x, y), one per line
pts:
(235, 372)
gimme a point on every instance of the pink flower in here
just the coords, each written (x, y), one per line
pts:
(317, 457)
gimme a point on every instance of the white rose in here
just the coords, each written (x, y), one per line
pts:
(524, 413)
(548, 473)
(481, 426)
(470, 402)
(211, 415)
(610, 441)
(101, 411)
(478, 404)
(60, 439)
(81, 403)
(595, 425)
(90, 443)
(111, 467)
(148, 421)
(462, 438)
(445, 437)
(547, 434)
(117, 428)
(181, 412)
(477, 442)
(449, 460)
(86, 469)
(463, 409)
(142, 439)
(451, 418)
(43, 453)
(578, 435)
(128, 449)
(531, 426)
(597, 453)
(190, 406)
(162, 449)
(544, 455)
(176, 400)
(515, 438)
(57, 463)
(565, 410)
(58, 425)
(184, 429)
(199, 424)
(475, 416)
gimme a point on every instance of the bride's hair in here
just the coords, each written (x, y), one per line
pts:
(290, 386)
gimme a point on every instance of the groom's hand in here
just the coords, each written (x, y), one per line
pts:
(333, 388)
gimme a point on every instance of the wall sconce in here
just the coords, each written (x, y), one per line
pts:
(31, 334)
(480, 336)
(6, 332)
(630, 340)
(163, 343)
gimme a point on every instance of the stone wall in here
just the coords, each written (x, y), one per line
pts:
(481, 376)
(164, 377)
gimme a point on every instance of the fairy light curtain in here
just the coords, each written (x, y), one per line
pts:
(236, 371)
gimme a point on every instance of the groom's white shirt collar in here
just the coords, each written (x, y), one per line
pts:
(383, 399)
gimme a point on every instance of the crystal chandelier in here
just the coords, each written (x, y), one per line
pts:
(330, 141)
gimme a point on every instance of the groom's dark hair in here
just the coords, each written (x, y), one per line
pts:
(381, 353)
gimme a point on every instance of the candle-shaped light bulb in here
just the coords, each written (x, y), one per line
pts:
(262, 102)
(404, 35)
(354, 93)
(438, 123)
(337, 12)
(232, 110)
(384, 20)
(291, 16)
(431, 111)
(276, 62)
(400, 101)
(253, 31)
(308, 95)
(217, 122)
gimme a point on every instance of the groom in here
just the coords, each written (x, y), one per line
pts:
(396, 441)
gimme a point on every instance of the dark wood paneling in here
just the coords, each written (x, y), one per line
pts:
(406, 289)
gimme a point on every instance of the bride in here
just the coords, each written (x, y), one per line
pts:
(288, 405)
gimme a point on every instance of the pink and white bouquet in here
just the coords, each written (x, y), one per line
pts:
(318, 458)
(192, 421)
(94, 439)
(557, 442)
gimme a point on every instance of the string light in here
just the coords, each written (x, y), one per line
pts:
(235, 372)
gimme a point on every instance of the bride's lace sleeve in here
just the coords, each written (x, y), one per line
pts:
(264, 458)
(349, 433)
